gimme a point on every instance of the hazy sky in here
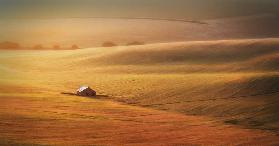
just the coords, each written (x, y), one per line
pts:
(87, 32)
(188, 9)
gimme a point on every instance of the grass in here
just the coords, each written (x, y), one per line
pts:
(4, 142)
(178, 101)
(233, 121)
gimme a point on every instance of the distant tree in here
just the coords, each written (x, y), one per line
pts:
(134, 43)
(56, 47)
(9, 45)
(109, 44)
(38, 47)
(75, 47)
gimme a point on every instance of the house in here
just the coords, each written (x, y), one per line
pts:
(86, 91)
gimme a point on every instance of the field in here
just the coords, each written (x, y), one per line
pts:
(181, 93)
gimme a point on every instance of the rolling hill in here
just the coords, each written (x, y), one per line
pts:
(233, 84)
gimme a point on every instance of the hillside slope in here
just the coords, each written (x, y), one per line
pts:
(231, 81)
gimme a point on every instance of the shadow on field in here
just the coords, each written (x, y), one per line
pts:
(95, 97)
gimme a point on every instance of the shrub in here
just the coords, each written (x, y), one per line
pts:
(109, 44)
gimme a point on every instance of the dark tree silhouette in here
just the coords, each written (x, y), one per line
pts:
(56, 47)
(109, 44)
(75, 46)
(38, 47)
(9, 45)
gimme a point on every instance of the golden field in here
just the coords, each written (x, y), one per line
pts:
(183, 93)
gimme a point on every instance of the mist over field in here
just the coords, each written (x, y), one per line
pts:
(129, 72)
(93, 32)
